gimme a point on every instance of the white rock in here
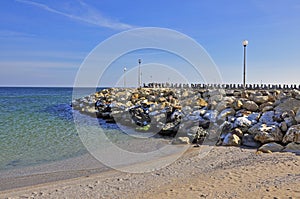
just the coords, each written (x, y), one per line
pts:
(242, 122)
(270, 133)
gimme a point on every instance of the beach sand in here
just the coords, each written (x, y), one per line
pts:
(225, 172)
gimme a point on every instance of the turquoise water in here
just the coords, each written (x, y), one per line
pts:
(36, 126)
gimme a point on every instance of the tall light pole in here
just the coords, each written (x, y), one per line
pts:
(125, 76)
(139, 74)
(245, 43)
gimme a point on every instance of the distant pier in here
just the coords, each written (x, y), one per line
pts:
(225, 86)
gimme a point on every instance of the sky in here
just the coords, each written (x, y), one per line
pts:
(45, 42)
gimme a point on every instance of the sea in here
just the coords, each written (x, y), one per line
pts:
(37, 126)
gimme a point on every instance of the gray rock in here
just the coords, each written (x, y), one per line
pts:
(271, 147)
(197, 134)
(216, 98)
(253, 116)
(231, 140)
(296, 94)
(225, 113)
(210, 115)
(267, 108)
(254, 129)
(292, 135)
(250, 106)
(267, 134)
(194, 117)
(283, 126)
(222, 105)
(297, 117)
(290, 121)
(267, 117)
(260, 99)
(225, 127)
(217, 92)
(248, 140)
(293, 148)
(288, 104)
(262, 106)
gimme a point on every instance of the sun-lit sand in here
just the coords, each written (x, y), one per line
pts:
(223, 173)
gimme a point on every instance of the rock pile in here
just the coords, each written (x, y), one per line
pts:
(266, 119)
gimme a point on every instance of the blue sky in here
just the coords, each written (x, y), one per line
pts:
(43, 43)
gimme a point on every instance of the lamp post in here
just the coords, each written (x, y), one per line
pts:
(139, 73)
(245, 43)
(125, 69)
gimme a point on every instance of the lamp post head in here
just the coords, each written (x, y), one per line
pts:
(245, 43)
(140, 61)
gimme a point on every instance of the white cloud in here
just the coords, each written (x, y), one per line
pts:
(85, 14)
(9, 33)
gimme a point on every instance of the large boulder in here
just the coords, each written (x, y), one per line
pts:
(267, 117)
(260, 99)
(288, 104)
(271, 147)
(250, 106)
(237, 104)
(254, 129)
(267, 134)
(231, 140)
(293, 147)
(225, 113)
(248, 140)
(253, 117)
(242, 123)
(292, 135)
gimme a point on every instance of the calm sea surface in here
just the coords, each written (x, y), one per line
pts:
(36, 126)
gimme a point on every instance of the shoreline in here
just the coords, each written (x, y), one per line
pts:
(81, 165)
(224, 172)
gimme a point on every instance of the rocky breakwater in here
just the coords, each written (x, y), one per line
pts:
(268, 120)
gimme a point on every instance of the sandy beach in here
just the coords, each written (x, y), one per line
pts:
(225, 172)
